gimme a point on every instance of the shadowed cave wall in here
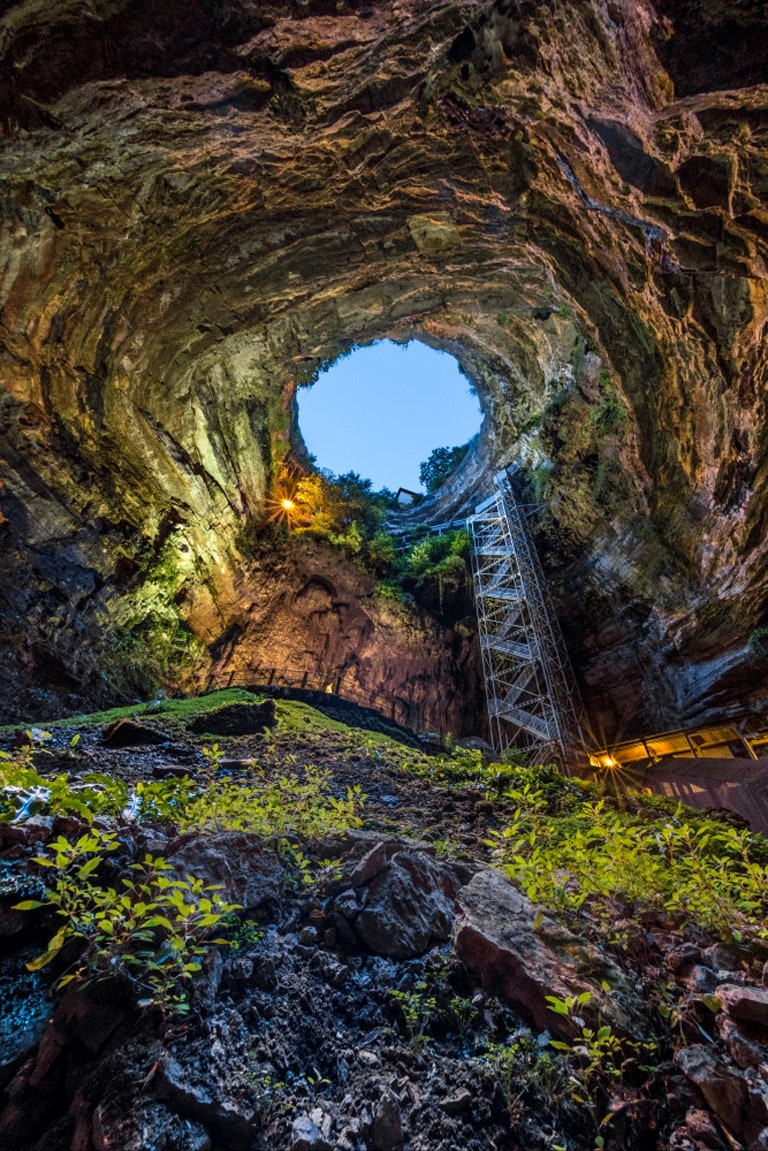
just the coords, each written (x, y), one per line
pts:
(202, 204)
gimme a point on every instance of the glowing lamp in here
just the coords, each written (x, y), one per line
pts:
(288, 505)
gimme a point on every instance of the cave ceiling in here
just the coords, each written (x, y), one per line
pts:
(203, 201)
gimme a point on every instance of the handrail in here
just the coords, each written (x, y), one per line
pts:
(613, 753)
(403, 711)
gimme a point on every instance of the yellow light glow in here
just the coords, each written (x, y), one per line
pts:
(289, 505)
(609, 761)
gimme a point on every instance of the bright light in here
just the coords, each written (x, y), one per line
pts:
(609, 761)
(289, 505)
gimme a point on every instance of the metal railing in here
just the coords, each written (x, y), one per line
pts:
(400, 709)
(728, 740)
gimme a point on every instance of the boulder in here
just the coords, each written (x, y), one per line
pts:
(236, 719)
(228, 1122)
(522, 954)
(235, 860)
(131, 733)
(461, 1100)
(744, 1051)
(701, 1126)
(386, 1132)
(410, 906)
(724, 1091)
(306, 1135)
(749, 1004)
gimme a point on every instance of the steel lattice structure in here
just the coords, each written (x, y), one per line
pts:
(532, 697)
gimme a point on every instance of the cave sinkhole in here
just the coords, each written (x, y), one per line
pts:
(380, 410)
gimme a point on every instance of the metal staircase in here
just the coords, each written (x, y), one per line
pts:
(532, 697)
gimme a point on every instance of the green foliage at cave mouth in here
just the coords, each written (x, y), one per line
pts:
(441, 463)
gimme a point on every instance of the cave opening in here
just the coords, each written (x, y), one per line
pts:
(401, 415)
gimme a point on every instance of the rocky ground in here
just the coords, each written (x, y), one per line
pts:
(384, 989)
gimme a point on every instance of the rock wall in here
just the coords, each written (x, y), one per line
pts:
(308, 611)
(202, 204)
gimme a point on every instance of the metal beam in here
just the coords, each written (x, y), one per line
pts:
(531, 693)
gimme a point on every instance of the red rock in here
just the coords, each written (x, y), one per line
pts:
(522, 953)
(370, 865)
(387, 1131)
(248, 874)
(703, 1129)
(724, 1090)
(749, 1004)
(743, 1050)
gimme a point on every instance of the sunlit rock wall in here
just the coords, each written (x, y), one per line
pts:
(201, 203)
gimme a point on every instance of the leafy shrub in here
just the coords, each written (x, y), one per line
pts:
(284, 808)
(418, 1008)
(381, 551)
(435, 470)
(599, 1058)
(697, 869)
(388, 589)
(152, 931)
(442, 559)
(521, 1065)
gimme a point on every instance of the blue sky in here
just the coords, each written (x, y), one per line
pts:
(382, 410)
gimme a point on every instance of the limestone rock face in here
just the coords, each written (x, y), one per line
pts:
(201, 203)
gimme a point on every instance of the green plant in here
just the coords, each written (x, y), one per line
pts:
(442, 559)
(417, 1008)
(599, 1057)
(213, 757)
(520, 1065)
(610, 416)
(388, 590)
(286, 808)
(346, 512)
(152, 930)
(461, 1012)
(265, 1092)
(440, 463)
(24, 792)
(381, 551)
(242, 934)
(695, 868)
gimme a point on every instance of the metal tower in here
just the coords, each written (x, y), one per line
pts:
(533, 700)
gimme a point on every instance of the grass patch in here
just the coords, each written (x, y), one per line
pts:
(180, 709)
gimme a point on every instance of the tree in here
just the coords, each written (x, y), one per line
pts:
(442, 461)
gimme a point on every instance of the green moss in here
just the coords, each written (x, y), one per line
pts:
(758, 645)
(610, 416)
(297, 719)
(180, 709)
